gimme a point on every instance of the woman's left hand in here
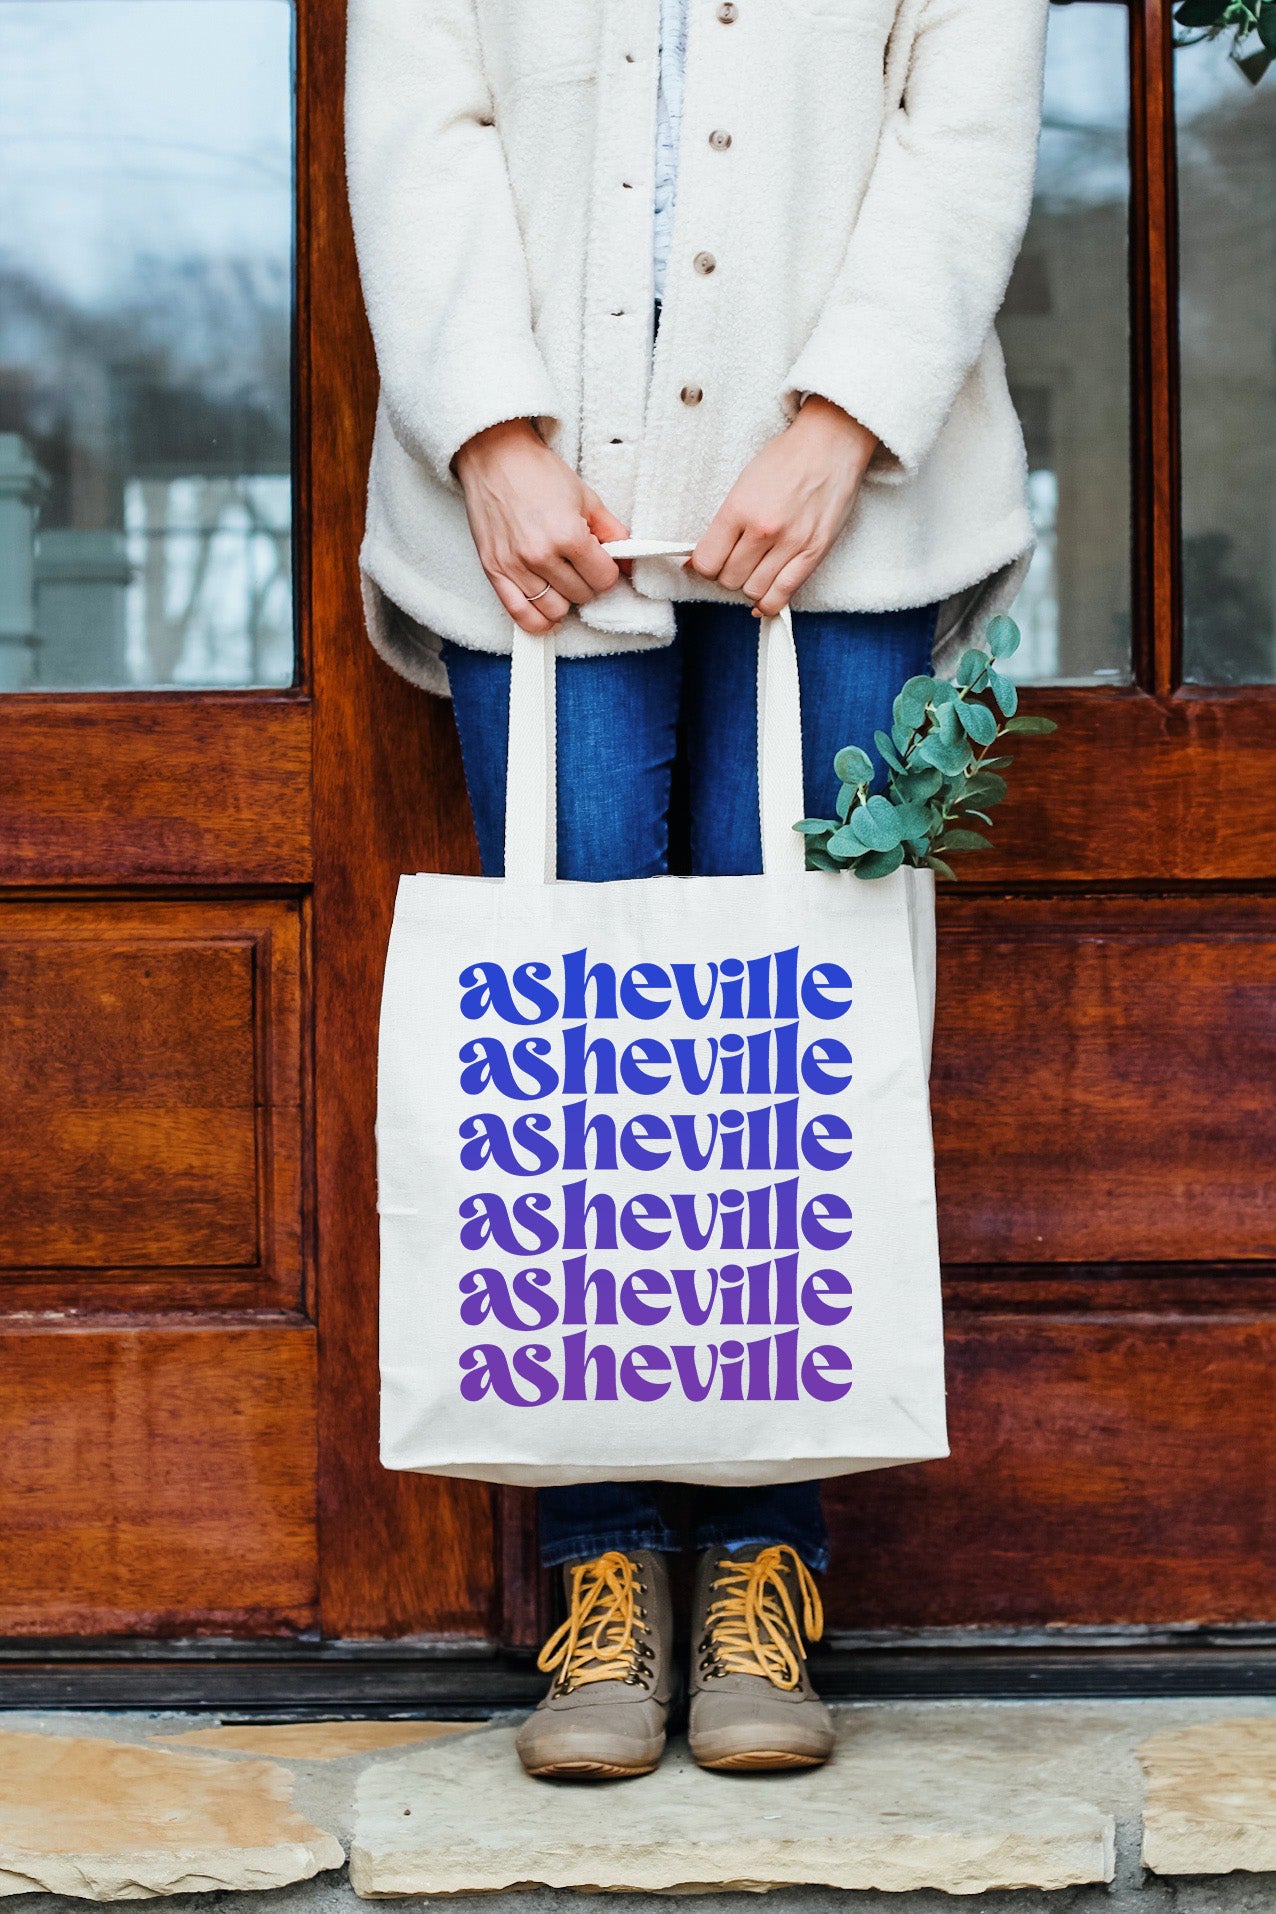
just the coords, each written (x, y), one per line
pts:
(787, 507)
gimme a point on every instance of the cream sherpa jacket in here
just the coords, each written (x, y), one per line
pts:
(853, 238)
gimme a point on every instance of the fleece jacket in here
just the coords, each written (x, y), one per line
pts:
(853, 237)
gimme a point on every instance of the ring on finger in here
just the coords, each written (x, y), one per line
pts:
(533, 596)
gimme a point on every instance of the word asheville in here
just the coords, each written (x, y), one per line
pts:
(654, 1158)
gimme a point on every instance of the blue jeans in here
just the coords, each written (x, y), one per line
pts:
(622, 720)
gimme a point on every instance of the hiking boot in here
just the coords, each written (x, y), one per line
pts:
(612, 1663)
(752, 1703)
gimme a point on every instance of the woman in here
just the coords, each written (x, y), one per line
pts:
(810, 209)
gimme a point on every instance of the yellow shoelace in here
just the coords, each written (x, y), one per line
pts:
(752, 1628)
(601, 1639)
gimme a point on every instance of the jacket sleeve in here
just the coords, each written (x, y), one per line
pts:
(440, 254)
(937, 233)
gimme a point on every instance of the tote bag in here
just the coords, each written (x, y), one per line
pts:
(656, 1182)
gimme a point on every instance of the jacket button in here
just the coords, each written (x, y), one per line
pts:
(691, 395)
(727, 12)
(704, 262)
(719, 141)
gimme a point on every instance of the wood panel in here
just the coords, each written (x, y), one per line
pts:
(1137, 790)
(1138, 1289)
(1103, 1078)
(160, 787)
(150, 1128)
(1102, 1471)
(402, 1554)
(157, 1480)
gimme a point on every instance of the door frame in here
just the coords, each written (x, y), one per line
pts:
(429, 1592)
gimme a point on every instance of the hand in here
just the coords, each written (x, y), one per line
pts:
(535, 523)
(787, 507)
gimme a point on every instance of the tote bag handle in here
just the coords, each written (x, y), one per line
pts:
(531, 809)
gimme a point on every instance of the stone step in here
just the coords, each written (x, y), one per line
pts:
(970, 1805)
(1041, 1804)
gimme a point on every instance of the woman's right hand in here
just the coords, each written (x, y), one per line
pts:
(535, 523)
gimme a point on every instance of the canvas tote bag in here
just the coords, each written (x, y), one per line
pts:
(656, 1182)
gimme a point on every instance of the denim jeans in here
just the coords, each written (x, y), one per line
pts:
(622, 721)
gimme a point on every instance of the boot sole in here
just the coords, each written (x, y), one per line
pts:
(760, 1760)
(589, 1770)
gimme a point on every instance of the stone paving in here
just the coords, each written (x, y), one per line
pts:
(1019, 1806)
(104, 1821)
(1210, 1800)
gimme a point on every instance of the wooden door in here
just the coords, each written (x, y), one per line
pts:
(208, 788)
(197, 886)
(1107, 1017)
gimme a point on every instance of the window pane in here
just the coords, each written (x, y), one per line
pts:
(1227, 324)
(145, 340)
(1065, 330)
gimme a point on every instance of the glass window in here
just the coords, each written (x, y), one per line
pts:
(1065, 330)
(1227, 327)
(145, 343)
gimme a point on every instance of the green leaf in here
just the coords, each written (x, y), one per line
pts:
(912, 820)
(818, 860)
(977, 721)
(853, 766)
(948, 758)
(1200, 13)
(1003, 690)
(1267, 29)
(986, 787)
(1254, 65)
(912, 700)
(815, 826)
(916, 786)
(903, 736)
(941, 692)
(1030, 726)
(972, 667)
(880, 863)
(887, 750)
(846, 796)
(1003, 636)
(969, 810)
(845, 843)
(937, 864)
(874, 824)
(962, 841)
(995, 764)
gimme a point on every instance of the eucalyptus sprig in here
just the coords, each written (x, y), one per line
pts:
(940, 775)
(1206, 19)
